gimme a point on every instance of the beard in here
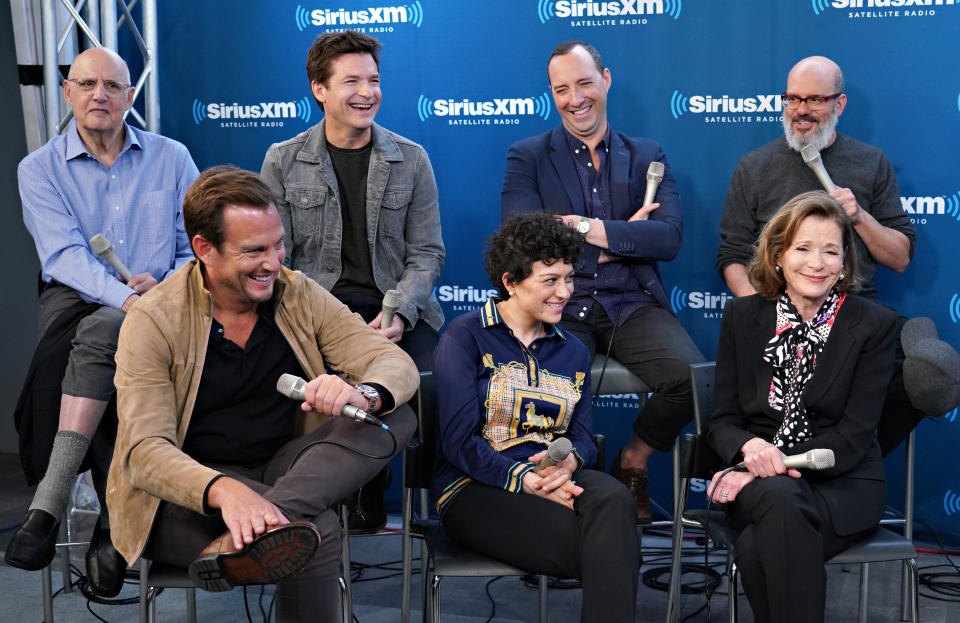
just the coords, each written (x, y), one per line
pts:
(819, 138)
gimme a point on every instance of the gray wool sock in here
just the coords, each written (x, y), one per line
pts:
(53, 493)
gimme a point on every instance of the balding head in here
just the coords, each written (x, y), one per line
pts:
(97, 60)
(99, 92)
(819, 68)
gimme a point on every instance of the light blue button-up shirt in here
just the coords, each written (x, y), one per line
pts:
(69, 196)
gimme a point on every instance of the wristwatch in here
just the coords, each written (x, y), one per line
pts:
(584, 225)
(370, 394)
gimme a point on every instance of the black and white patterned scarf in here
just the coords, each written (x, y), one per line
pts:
(793, 353)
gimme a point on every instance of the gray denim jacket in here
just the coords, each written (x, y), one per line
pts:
(403, 216)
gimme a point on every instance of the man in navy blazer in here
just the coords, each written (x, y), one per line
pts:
(594, 178)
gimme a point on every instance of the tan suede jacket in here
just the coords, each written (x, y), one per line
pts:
(160, 355)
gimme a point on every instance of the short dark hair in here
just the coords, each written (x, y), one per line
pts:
(779, 232)
(215, 189)
(567, 46)
(331, 45)
(524, 239)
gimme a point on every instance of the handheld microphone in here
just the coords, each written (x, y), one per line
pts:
(557, 451)
(104, 248)
(654, 177)
(291, 386)
(819, 458)
(811, 155)
(391, 303)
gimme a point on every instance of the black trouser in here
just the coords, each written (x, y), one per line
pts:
(786, 535)
(596, 542)
(419, 342)
(309, 489)
(652, 344)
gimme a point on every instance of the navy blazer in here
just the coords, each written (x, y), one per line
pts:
(844, 399)
(541, 175)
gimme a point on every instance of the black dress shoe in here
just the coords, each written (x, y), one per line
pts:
(366, 505)
(106, 568)
(34, 544)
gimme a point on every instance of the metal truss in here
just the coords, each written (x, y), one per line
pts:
(99, 23)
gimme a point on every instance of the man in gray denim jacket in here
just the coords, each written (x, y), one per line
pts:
(358, 202)
(359, 208)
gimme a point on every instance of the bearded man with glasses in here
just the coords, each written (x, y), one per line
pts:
(100, 176)
(769, 176)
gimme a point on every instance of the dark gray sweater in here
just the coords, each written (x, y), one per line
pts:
(767, 177)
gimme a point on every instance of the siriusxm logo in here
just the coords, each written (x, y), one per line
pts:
(403, 14)
(951, 416)
(680, 104)
(951, 503)
(483, 110)
(610, 8)
(955, 308)
(463, 298)
(947, 204)
(819, 6)
(251, 115)
(680, 299)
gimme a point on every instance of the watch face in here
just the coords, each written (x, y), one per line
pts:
(583, 226)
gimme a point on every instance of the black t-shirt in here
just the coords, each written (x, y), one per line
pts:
(351, 166)
(239, 417)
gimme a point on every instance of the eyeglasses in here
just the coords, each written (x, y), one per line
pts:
(814, 102)
(111, 87)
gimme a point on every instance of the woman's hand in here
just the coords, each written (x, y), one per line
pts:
(563, 495)
(763, 459)
(556, 475)
(728, 489)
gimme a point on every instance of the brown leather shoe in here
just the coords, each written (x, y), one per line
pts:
(272, 556)
(636, 481)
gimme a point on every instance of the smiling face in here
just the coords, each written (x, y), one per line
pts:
(95, 111)
(351, 98)
(811, 264)
(544, 293)
(242, 272)
(580, 94)
(802, 125)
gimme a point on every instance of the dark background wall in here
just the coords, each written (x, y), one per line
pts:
(18, 296)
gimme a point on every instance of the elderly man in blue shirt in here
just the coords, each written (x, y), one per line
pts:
(99, 176)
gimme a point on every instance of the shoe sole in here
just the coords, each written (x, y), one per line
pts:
(273, 556)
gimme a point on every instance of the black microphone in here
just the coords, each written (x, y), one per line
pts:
(654, 177)
(391, 304)
(557, 451)
(291, 386)
(811, 155)
(819, 458)
(104, 248)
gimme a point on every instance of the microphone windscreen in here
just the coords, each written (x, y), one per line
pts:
(559, 449)
(656, 170)
(810, 153)
(821, 458)
(392, 298)
(99, 244)
(291, 386)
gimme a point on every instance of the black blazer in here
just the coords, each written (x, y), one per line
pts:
(843, 399)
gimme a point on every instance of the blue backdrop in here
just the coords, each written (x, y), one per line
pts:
(467, 78)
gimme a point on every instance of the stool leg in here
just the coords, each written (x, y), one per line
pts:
(864, 590)
(542, 589)
(46, 581)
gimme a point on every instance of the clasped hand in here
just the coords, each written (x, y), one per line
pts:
(762, 460)
(555, 482)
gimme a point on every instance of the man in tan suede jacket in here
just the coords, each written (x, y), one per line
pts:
(208, 471)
